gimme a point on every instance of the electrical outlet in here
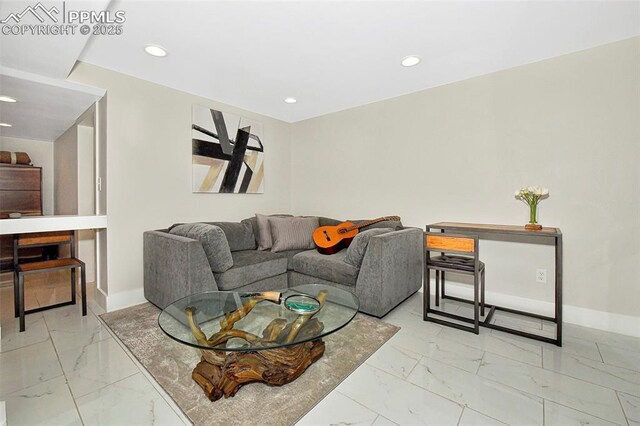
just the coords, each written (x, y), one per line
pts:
(541, 275)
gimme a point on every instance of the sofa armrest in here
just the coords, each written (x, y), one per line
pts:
(174, 267)
(391, 270)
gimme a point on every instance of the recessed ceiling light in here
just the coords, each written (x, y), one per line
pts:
(7, 99)
(155, 50)
(290, 100)
(5, 125)
(410, 61)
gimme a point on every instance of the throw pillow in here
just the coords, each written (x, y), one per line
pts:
(213, 240)
(264, 230)
(292, 233)
(239, 234)
(358, 246)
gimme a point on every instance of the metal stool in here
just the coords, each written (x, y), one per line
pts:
(459, 254)
(22, 269)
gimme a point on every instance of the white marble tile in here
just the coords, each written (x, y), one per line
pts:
(7, 308)
(394, 359)
(338, 409)
(412, 322)
(520, 326)
(621, 357)
(413, 304)
(28, 366)
(35, 332)
(52, 295)
(606, 375)
(577, 347)
(473, 418)
(580, 395)
(69, 318)
(131, 401)
(49, 403)
(440, 349)
(96, 365)
(631, 407)
(383, 421)
(69, 329)
(599, 336)
(398, 400)
(498, 343)
(556, 414)
(512, 320)
(485, 396)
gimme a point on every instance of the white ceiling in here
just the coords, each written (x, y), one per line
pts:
(333, 55)
(34, 68)
(51, 56)
(330, 55)
(45, 109)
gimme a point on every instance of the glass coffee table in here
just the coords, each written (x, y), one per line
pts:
(269, 336)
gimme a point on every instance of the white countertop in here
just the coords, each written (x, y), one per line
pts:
(51, 223)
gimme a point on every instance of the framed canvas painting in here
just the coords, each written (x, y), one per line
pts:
(227, 153)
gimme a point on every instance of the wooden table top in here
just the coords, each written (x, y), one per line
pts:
(495, 229)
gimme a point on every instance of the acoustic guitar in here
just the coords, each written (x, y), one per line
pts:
(331, 239)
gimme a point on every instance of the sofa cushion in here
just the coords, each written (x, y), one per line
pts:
(250, 266)
(264, 230)
(239, 234)
(394, 224)
(254, 227)
(358, 246)
(213, 240)
(289, 254)
(292, 233)
(328, 267)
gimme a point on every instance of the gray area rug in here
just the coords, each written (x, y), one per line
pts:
(171, 363)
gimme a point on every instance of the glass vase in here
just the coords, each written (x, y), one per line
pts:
(533, 218)
(533, 213)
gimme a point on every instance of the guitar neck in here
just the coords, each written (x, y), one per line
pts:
(371, 222)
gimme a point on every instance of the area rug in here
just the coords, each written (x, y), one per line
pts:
(171, 363)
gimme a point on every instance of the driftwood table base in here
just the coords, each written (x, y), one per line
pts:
(221, 373)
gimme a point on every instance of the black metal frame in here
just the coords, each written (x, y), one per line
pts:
(478, 296)
(18, 279)
(531, 236)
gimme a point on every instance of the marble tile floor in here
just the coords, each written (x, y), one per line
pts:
(66, 369)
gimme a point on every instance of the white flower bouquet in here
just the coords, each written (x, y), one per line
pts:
(531, 195)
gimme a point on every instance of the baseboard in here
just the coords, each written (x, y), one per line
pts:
(124, 299)
(101, 299)
(606, 321)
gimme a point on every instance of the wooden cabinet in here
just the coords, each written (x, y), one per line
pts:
(21, 189)
(20, 192)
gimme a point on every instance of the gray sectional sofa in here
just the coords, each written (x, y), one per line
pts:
(176, 266)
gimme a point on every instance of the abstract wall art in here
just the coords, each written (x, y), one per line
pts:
(227, 153)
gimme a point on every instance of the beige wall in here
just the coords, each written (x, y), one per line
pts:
(65, 162)
(459, 151)
(149, 171)
(41, 154)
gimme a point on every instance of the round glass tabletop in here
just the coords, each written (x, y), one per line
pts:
(240, 321)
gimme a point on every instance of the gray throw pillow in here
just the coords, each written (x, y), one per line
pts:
(213, 240)
(292, 233)
(264, 230)
(358, 246)
(239, 234)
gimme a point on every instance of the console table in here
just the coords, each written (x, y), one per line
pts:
(487, 231)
